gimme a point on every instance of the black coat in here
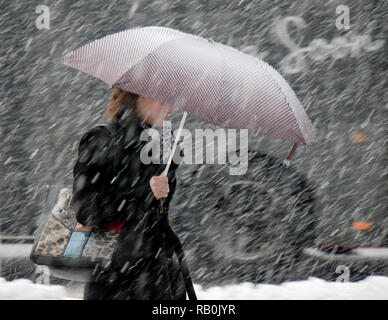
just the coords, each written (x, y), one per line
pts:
(144, 265)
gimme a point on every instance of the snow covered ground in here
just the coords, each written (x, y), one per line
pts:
(373, 287)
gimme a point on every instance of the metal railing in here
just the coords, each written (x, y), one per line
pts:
(16, 239)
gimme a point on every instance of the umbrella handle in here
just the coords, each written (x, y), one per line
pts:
(287, 161)
(165, 172)
(175, 143)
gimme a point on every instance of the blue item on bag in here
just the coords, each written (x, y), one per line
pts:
(76, 243)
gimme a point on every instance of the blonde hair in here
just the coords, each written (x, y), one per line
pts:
(120, 102)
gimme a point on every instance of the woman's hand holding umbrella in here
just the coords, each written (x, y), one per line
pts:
(159, 186)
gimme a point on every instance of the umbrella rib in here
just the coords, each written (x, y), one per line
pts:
(221, 88)
(146, 56)
(295, 111)
(284, 97)
(274, 77)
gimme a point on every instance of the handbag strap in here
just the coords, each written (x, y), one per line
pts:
(173, 238)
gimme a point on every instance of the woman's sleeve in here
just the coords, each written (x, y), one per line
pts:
(93, 198)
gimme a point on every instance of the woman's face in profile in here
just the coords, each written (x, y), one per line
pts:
(153, 112)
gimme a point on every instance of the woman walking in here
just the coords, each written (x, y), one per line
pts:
(134, 200)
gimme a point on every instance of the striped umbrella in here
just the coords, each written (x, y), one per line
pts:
(212, 81)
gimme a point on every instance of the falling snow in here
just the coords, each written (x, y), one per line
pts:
(234, 229)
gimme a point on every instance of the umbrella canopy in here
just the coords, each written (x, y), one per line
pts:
(215, 82)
